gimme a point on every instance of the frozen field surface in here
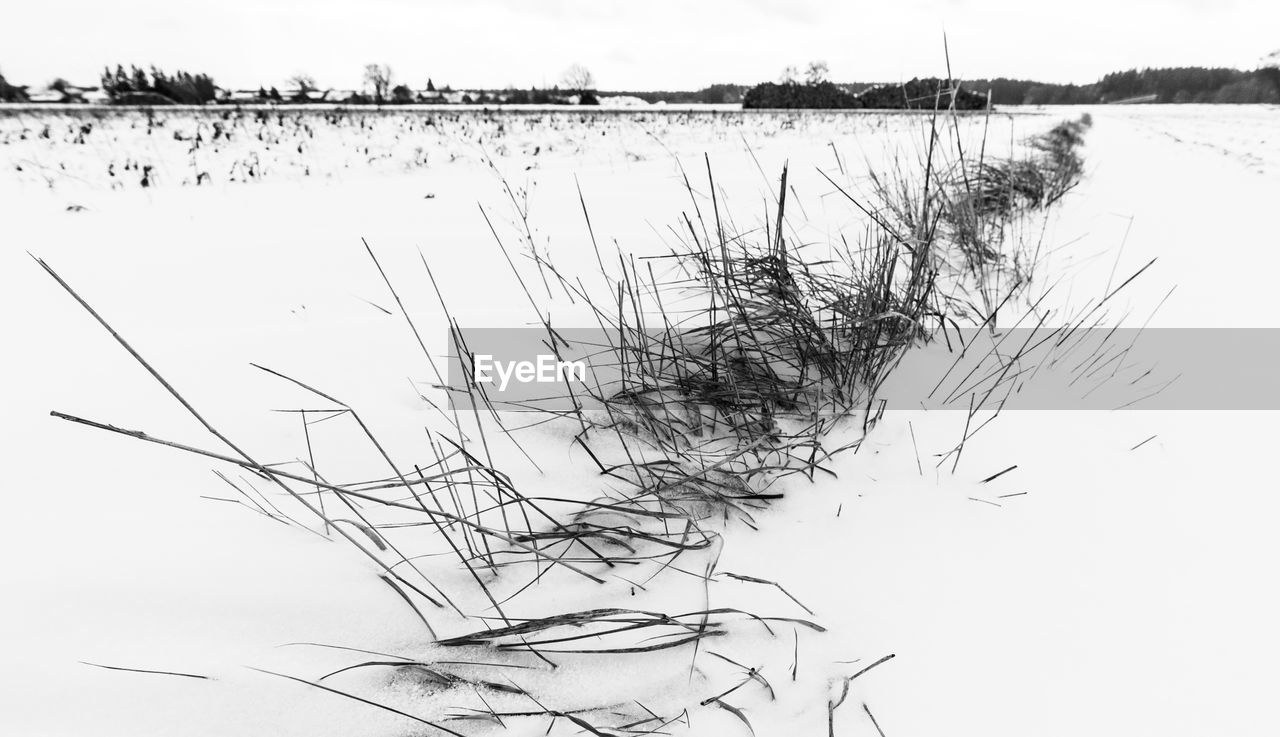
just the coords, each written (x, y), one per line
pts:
(1107, 586)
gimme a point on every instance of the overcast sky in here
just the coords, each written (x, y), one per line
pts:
(657, 44)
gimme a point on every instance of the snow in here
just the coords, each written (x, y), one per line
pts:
(622, 101)
(1125, 592)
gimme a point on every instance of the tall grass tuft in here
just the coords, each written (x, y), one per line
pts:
(715, 402)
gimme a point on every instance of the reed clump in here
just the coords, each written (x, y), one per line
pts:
(709, 407)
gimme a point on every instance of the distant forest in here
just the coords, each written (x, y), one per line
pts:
(1172, 85)
(1175, 85)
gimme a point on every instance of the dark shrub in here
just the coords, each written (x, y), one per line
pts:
(823, 95)
(11, 93)
(921, 94)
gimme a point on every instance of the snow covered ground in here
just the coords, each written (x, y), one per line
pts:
(1126, 592)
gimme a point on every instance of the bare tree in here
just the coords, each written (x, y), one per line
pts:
(377, 77)
(1270, 69)
(578, 78)
(790, 75)
(304, 82)
(816, 72)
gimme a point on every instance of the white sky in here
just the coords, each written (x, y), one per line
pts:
(659, 44)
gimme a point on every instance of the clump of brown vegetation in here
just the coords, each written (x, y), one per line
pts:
(712, 405)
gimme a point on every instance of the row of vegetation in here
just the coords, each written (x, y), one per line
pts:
(1176, 85)
(138, 86)
(813, 90)
(810, 89)
(915, 94)
(721, 406)
(1172, 85)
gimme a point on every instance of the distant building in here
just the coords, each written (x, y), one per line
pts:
(46, 96)
(67, 93)
(622, 101)
(316, 96)
(240, 96)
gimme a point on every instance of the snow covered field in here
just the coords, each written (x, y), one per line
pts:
(1126, 592)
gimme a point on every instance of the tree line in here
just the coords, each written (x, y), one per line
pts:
(140, 87)
(813, 90)
(1170, 85)
(809, 88)
(154, 86)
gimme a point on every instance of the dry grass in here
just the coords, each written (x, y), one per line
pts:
(715, 404)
